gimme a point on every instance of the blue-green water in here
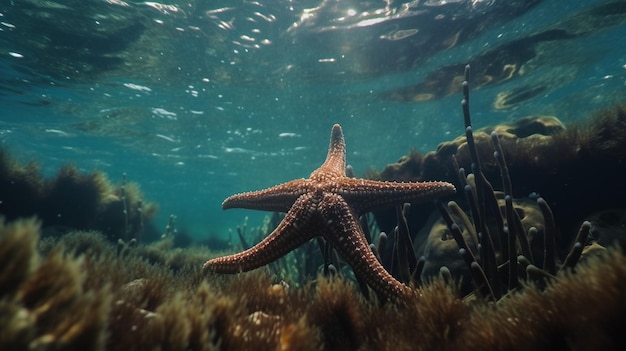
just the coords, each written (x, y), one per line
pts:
(197, 100)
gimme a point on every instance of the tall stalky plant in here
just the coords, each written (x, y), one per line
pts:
(504, 255)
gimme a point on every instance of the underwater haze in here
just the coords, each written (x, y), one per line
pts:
(198, 100)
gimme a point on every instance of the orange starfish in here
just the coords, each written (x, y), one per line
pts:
(328, 204)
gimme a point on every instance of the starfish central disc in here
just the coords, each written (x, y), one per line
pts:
(327, 204)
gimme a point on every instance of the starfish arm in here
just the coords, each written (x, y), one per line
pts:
(346, 235)
(335, 164)
(365, 195)
(278, 198)
(290, 234)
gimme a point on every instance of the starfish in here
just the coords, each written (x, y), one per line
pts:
(327, 204)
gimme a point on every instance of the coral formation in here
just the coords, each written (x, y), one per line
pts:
(440, 249)
(492, 245)
(543, 157)
(73, 200)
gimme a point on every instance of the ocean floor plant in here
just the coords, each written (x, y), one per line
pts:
(79, 293)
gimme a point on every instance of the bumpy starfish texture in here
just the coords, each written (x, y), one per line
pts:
(328, 204)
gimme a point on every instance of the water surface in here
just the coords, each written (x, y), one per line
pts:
(197, 100)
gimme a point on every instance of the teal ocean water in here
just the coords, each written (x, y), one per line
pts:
(197, 100)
